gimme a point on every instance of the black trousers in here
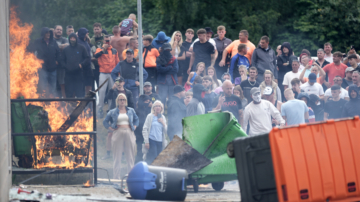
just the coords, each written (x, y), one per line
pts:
(152, 77)
(74, 85)
(139, 142)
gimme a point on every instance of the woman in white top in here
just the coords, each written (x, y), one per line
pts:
(212, 73)
(123, 121)
(178, 51)
(154, 132)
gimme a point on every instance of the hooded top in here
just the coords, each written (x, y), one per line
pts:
(72, 56)
(283, 69)
(176, 112)
(82, 33)
(160, 37)
(49, 53)
(303, 94)
(352, 108)
(318, 109)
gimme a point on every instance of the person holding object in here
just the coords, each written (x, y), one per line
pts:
(154, 132)
(123, 122)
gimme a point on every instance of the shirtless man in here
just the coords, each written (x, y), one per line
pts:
(128, 24)
(119, 42)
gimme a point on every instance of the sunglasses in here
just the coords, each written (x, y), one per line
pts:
(122, 100)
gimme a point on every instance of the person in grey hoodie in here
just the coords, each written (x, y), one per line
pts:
(264, 58)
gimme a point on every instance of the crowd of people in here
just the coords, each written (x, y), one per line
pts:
(262, 87)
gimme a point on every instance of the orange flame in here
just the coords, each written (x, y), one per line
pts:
(87, 184)
(23, 82)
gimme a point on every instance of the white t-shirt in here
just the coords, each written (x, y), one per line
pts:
(259, 117)
(315, 89)
(329, 58)
(343, 93)
(290, 76)
(210, 41)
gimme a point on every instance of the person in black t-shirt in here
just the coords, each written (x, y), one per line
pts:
(226, 101)
(335, 106)
(203, 51)
(148, 91)
(209, 94)
(184, 64)
(250, 83)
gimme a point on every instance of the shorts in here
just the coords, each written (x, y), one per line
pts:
(180, 71)
(88, 81)
(60, 74)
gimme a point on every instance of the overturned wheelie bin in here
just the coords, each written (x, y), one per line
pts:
(202, 152)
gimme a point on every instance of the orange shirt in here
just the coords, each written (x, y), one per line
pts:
(233, 48)
(136, 51)
(151, 55)
(107, 60)
(334, 70)
(318, 80)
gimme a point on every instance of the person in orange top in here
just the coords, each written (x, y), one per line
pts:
(107, 58)
(150, 53)
(317, 70)
(335, 68)
(233, 47)
(133, 45)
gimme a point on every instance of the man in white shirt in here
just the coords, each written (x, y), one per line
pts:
(291, 75)
(344, 94)
(258, 114)
(328, 55)
(311, 87)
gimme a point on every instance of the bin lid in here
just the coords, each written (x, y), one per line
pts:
(140, 180)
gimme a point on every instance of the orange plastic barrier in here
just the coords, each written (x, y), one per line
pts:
(317, 162)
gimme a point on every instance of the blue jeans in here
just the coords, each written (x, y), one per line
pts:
(47, 82)
(154, 151)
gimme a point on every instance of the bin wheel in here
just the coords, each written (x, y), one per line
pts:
(230, 150)
(196, 186)
(217, 186)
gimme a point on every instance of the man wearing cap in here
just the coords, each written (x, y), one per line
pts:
(196, 106)
(311, 87)
(347, 81)
(294, 111)
(167, 68)
(226, 101)
(343, 93)
(129, 70)
(258, 114)
(269, 95)
(148, 91)
(176, 112)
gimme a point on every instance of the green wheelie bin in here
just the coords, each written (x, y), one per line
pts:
(210, 134)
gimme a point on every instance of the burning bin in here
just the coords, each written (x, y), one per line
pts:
(157, 183)
(255, 168)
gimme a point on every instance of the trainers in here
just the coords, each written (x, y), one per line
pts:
(106, 157)
(100, 114)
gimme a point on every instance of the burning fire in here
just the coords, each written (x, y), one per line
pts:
(75, 151)
(87, 184)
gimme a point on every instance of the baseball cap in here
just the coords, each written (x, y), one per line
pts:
(166, 47)
(198, 88)
(268, 91)
(254, 90)
(120, 79)
(147, 84)
(208, 29)
(349, 69)
(178, 89)
(312, 78)
(130, 51)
